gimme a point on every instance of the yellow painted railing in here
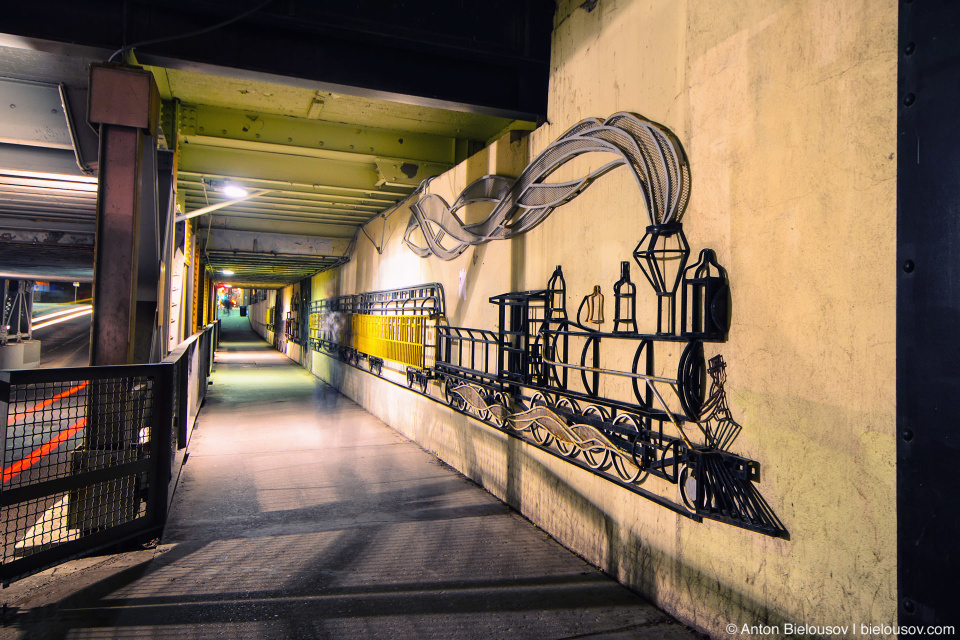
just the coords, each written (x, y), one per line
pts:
(397, 338)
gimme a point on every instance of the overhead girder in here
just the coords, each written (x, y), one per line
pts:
(320, 204)
(316, 187)
(38, 159)
(42, 261)
(35, 115)
(304, 136)
(269, 258)
(276, 166)
(279, 203)
(255, 269)
(226, 240)
(393, 172)
(282, 224)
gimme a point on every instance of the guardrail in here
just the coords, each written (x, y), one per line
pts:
(91, 455)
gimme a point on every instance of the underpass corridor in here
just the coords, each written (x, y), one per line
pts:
(300, 515)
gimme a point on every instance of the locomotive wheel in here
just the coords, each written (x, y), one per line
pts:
(452, 399)
(597, 458)
(628, 467)
(540, 399)
(414, 384)
(483, 412)
(568, 449)
(540, 435)
(500, 401)
(691, 379)
(687, 483)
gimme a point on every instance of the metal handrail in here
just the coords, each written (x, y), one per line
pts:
(156, 408)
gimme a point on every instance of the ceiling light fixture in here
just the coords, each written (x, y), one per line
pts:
(227, 272)
(233, 191)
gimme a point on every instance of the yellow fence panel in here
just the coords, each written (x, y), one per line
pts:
(398, 338)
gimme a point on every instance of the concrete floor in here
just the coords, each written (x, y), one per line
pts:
(300, 515)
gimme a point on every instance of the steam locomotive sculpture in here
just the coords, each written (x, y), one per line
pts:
(628, 405)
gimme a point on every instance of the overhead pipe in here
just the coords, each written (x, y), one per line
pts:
(220, 205)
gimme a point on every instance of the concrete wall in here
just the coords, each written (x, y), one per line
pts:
(257, 313)
(787, 114)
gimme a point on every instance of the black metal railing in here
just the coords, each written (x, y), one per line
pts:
(469, 353)
(91, 455)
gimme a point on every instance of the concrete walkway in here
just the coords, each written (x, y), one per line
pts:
(300, 515)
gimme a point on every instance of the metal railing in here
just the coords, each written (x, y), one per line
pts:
(397, 338)
(91, 455)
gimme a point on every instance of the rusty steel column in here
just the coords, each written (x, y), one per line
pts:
(125, 103)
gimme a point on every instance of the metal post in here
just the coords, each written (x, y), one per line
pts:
(125, 103)
(161, 447)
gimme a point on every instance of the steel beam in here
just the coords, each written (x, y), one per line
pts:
(293, 202)
(392, 170)
(125, 104)
(294, 226)
(323, 189)
(218, 123)
(115, 261)
(202, 159)
(928, 313)
(348, 213)
(37, 236)
(33, 115)
(55, 161)
(225, 240)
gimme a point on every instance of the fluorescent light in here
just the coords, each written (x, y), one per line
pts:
(233, 191)
(63, 319)
(39, 175)
(227, 272)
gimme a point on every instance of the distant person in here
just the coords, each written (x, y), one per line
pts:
(324, 399)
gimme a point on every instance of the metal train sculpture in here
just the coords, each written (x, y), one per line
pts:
(604, 400)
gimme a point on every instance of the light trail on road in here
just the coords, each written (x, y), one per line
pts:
(46, 403)
(37, 454)
(76, 314)
(57, 314)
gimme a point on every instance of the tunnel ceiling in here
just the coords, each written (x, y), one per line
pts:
(337, 113)
(331, 161)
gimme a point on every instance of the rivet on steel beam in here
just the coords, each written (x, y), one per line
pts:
(910, 48)
(908, 266)
(909, 99)
(909, 606)
(907, 435)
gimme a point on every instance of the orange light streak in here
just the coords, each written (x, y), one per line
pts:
(21, 465)
(45, 403)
